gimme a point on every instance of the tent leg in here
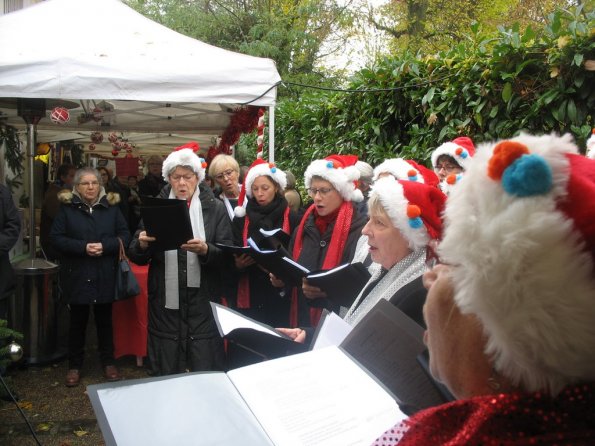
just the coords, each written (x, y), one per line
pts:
(272, 134)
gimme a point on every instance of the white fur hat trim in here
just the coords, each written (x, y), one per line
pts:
(399, 168)
(183, 158)
(278, 176)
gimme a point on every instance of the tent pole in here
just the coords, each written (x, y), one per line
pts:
(272, 134)
(30, 159)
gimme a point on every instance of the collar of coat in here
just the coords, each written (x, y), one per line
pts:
(66, 196)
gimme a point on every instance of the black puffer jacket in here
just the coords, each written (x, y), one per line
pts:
(85, 279)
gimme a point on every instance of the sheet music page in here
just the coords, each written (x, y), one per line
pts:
(320, 397)
(293, 262)
(199, 408)
(332, 331)
(228, 320)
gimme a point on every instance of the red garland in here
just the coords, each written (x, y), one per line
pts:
(243, 120)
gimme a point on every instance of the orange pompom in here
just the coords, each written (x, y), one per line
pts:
(505, 153)
(412, 173)
(451, 179)
(413, 211)
(459, 150)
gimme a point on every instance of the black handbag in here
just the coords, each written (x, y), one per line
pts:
(126, 284)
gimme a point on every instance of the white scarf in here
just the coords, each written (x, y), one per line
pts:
(403, 272)
(172, 290)
(230, 210)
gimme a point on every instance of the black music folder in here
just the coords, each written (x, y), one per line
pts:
(342, 284)
(168, 220)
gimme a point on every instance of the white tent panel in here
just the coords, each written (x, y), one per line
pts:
(118, 54)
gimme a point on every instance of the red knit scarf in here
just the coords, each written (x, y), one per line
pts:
(332, 258)
(244, 283)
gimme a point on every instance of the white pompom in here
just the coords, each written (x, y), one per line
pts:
(239, 211)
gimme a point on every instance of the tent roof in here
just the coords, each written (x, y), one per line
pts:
(151, 79)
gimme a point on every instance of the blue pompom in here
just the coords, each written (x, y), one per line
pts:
(329, 164)
(416, 222)
(413, 178)
(464, 154)
(527, 176)
(273, 169)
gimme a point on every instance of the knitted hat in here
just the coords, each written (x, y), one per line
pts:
(414, 208)
(461, 149)
(403, 169)
(591, 145)
(520, 227)
(340, 171)
(258, 168)
(186, 156)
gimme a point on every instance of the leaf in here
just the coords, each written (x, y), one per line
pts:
(26, 405)
(507, 92)
(578, 60)
(80, 433)
(43, 427)
(571, 110)
(428, 96)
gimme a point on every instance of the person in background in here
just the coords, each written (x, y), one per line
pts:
(134, 202)
(10, 229)
(365, 181)
(293, 197)
(182, 282)
(51, 205)
(451, 159)
(225, 170)
(85, 234)
(153, 182)
(509, 310)
(327, 234)
(111, 185)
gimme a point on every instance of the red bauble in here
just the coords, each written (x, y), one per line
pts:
(128, 155)
(97, 114)
(92, 146)
(97, 137)
(60, 115)
(115, 152)
(112, 137)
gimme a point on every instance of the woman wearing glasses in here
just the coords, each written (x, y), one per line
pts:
(328, 232)
(85, 234)
(451, 159)
(225, 170)
(182, 332)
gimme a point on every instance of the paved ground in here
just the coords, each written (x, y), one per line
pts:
(60, 416)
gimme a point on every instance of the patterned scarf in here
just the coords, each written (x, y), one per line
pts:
(243, 300)
(332, 258)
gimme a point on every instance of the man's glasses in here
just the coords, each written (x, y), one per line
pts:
(323, 191)
(89, 184)
(224, 174)
(448, 168)
(180, 177)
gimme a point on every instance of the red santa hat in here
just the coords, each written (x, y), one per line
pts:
(403, 169)
(414, 208)
(185, 156)
(461, 149)
(591, 145)
(520, 227)
(340, 171)
(258, 168)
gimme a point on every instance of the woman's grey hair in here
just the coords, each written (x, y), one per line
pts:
(86, 171)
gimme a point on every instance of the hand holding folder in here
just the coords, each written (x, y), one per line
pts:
(168, 220)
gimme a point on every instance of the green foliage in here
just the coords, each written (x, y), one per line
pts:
(485, 86)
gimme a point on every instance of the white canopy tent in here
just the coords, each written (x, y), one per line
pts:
(123, 72)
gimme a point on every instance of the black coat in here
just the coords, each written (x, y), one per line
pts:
(10, 228)
(314, 249)
(85, 279)
(266, 305)
(187, 338)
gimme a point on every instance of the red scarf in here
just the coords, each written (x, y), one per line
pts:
(244, 283)
(333, 257)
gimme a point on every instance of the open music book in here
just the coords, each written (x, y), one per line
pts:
(321, 397)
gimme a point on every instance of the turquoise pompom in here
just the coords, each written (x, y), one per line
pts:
(464, 154)
(527, 176)
(413, 178)
(329, 164)
(416, 222)
(273, 169)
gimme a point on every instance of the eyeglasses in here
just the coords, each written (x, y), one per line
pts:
(89, 184)
(186, 178)
(225, 173)
(448, 168)
(323, 191)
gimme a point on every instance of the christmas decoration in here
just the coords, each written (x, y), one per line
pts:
(60, 115)
(115, 152)
(97, 114)
(92, 146)
(97, 137)
(260, 133)
(8, 349)
(112, 137)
